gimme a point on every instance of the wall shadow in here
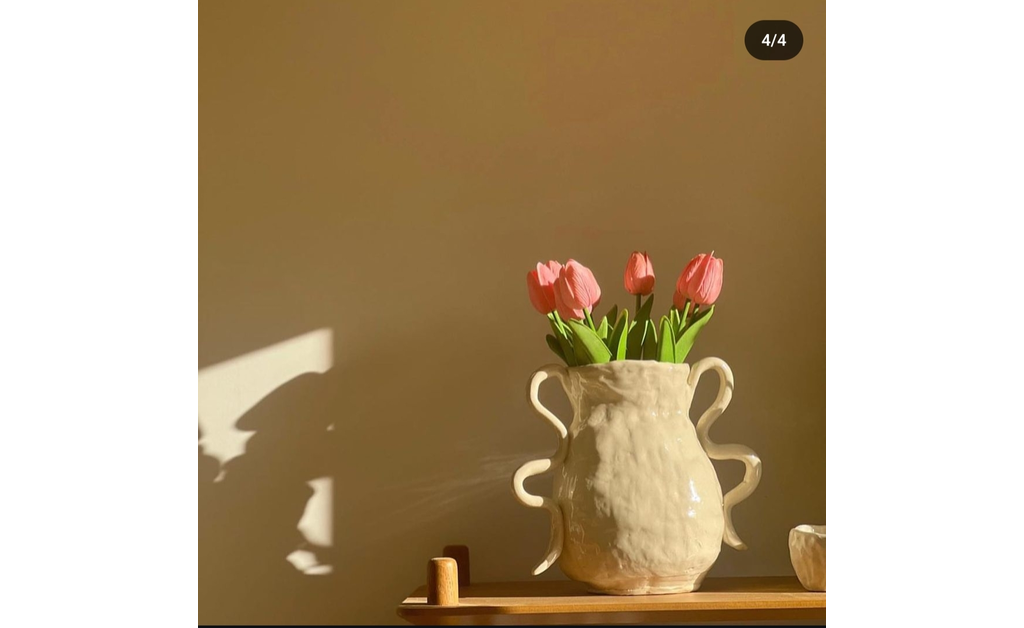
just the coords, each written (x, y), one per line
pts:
(248, 523)
(407, 479)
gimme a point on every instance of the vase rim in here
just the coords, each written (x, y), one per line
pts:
(811, 529)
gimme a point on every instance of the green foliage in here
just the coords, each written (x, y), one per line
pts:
(618, 338)
(590, 349)
(564, 338)
(579, 343)
(687, 338)
(644, 313)
(613, 314)
(579, 354)
(650, 347)
(555, 347)
(636, 341)
(667, 346)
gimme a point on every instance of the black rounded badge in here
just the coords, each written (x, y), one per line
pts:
(774, 40)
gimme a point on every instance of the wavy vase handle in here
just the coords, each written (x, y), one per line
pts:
(752, 475)
(536, 467)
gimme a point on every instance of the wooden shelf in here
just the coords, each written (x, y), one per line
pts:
(450, 598)
(560, 602)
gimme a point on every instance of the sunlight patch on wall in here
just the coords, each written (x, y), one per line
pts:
(229, 389)
(315, 526)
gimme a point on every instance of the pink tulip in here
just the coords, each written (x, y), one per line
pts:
(701, 280)
(679, 300)
(639, 277)
(541, 285)
(576, 291)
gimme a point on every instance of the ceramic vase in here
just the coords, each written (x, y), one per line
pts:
(807, 552)
(637, 506)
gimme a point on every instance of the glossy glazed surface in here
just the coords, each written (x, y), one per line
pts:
(637, 507)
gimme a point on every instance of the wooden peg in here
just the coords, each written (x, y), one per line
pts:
(461, 555)
(443, 582)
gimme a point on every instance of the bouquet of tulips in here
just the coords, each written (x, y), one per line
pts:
(568, 294)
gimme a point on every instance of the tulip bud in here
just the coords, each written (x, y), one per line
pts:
(639, 276)
(541, 285)
(701, 280)
(576, 291)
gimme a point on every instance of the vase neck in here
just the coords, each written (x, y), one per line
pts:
(639, 382)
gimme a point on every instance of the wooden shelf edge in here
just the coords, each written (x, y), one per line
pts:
(725, 598)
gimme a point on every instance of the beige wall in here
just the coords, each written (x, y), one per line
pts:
(376, 179)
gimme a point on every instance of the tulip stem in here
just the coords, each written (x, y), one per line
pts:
(637, 303)
(560, 326)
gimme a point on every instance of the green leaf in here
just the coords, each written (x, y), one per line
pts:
(685, 342)
(635, 340)
(602, 329)
(650, 346)
(696, 317)
(617, 339)
(555, 347)
(644, 313)
(613, 314)
(702, 314)
(579, 355)
(557, 324)
(673, 315)
(589, 345)
(562, 336)
(638, 332)
(666, 348)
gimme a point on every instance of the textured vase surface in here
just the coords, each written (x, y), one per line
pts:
(637, 506)
(807, 552)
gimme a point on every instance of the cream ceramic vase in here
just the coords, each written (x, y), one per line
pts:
(637, 506)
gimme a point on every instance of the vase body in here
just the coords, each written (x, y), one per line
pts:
(640, 505)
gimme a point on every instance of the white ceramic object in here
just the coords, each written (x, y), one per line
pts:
(637, 506)
(807, 551)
